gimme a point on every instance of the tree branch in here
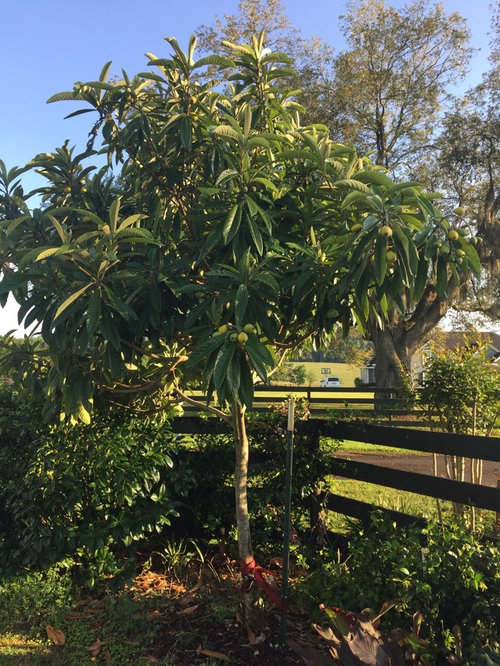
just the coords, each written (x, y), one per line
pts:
(203, 406)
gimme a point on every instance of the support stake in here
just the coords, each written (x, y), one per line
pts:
(288, 510)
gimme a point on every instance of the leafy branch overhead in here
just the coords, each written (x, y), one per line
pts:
(220, 231)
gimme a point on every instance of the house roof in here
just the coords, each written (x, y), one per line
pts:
(452, 339)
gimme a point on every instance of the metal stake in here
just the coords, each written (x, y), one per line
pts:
(288, 510)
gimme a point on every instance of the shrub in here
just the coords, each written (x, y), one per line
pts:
(463, 387)
(86, 492)
(453, 583)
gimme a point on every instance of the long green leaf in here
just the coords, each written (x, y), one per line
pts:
(231, 224)
(71, 299)
(224, 358)
(114, 211)
(256, 235)
(472, 256)
(246, 384)
(240, 304)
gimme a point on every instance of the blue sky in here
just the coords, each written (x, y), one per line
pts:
(47, 45)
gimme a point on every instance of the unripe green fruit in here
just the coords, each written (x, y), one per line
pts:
(233, 337)
(391, 256)
(356, 227)
(459, 211)
(462, 232)
(453, 235)
(385, 231)
(242, 337)
(249, 328)
(460, 253)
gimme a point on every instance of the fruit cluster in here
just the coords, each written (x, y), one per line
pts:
(237, 334)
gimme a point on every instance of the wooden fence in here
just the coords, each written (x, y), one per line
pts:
(480, 496)
(381, 404)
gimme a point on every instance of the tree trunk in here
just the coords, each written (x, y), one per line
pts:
(401, 335)
(240, 483)
(392, 359)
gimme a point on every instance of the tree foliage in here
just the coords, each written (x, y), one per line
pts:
(463, 387)
(391, 80)
(384, 93)
(220, 234)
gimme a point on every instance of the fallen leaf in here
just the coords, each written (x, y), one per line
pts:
(195, 587)
(211, 653)
(151, 660)
(153, 615)
(55, 635)
(189, 610)
(133, 643)
(78, 616)
(310, 655)
(107, 655)
(95, 648)
(251, 635)
(83, 602)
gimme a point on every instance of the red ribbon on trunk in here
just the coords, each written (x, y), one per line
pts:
(255, 570)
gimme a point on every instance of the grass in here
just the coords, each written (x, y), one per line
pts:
(156, 620)
(362, 447)
(345, 372)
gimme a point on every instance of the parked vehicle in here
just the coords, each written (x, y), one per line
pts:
(330, 382)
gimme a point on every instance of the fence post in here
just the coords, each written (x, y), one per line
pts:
(315, 513)
(498, 512)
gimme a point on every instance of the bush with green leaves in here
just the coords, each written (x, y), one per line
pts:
(453, 582)
(290, 374)
(87, 492)
(463, 387)
(208, 506)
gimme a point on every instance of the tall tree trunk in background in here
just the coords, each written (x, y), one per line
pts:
(402, 335)
(392, 360)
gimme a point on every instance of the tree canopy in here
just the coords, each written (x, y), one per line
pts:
(220, 234)
(215, 209)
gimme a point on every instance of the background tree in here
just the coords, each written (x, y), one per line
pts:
(468, 161)
(311, 77)
(220, 235)
(391, 81)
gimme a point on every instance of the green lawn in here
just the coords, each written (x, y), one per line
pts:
(346, 373)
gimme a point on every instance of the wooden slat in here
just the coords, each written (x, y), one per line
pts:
(363, 511)
(468, 446)
(484, 497)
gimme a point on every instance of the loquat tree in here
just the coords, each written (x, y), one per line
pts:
(219, 234)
